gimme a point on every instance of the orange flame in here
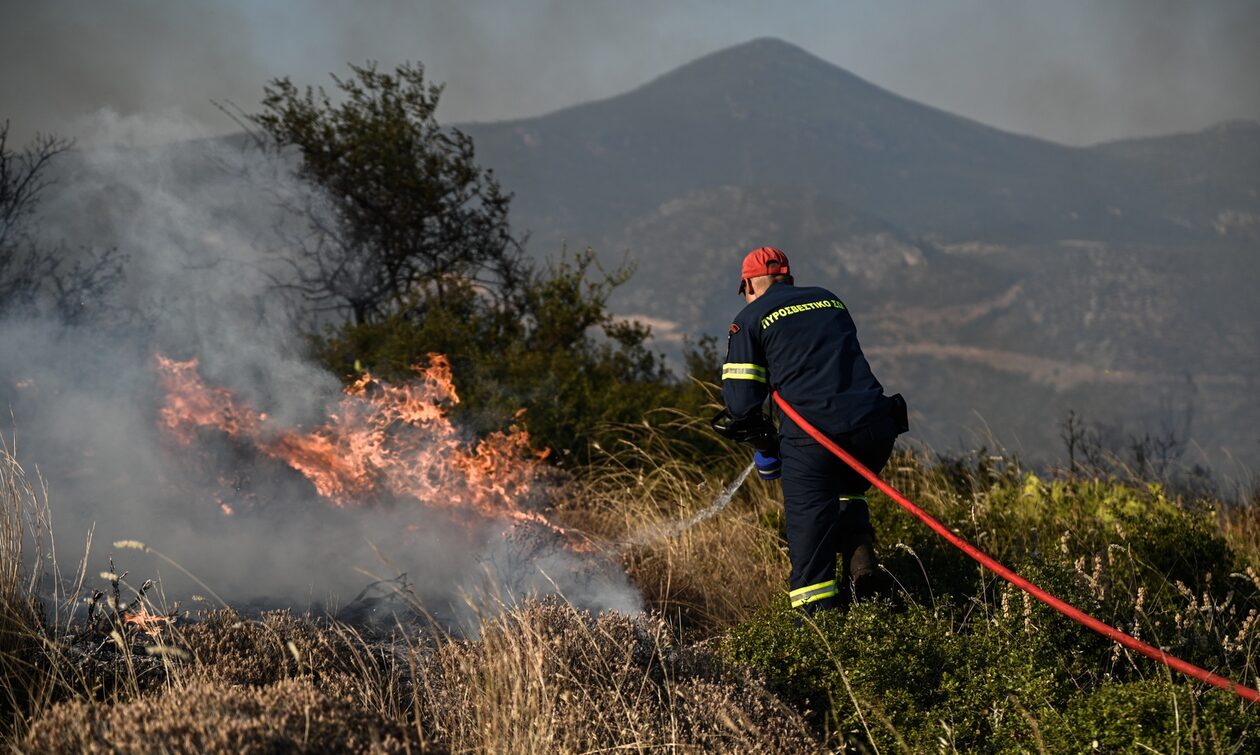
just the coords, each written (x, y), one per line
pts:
(381, 439)
(149, 623)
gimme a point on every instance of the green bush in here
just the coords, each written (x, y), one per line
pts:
(1153, 715)
(555, 351)
(901, 674)
(958, 658)
(911, 680)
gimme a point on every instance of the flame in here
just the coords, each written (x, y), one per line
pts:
(149, 623)
(382, 439)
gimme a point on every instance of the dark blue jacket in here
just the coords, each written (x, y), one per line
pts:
(802, 343)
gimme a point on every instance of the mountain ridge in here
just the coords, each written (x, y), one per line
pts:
(771, 113)
(896, 203)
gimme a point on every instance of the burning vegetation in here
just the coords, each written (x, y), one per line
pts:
(382, 442)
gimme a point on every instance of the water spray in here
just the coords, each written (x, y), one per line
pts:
(661, 531)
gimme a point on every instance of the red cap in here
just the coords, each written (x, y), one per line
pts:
(765, 260)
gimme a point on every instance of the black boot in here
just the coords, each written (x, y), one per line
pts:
(861, 569)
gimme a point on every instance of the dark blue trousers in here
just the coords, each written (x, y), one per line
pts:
(824, 500)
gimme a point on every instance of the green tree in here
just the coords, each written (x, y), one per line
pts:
(558, 353)
(400, 210)
(407, 236)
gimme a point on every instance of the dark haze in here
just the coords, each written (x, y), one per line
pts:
(1076, 72)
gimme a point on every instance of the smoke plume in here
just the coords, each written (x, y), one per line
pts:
(199, 283)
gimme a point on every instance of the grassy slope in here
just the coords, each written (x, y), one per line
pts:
(954, 661)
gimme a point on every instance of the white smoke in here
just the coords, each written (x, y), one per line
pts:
(195, 219)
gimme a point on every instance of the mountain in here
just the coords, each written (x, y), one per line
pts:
(999, 280)
(769, 114)
(1213, 174)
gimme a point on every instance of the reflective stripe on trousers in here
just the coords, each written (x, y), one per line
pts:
(810, 593)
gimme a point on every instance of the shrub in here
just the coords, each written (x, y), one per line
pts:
(292, 715)
(966, 661)
(909, 680)
(896, 676)
(556, 352)
(1153, 715)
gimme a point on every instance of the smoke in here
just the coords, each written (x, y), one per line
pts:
(84, 403)
(501, 59)
(1083, 74)
(66, 60)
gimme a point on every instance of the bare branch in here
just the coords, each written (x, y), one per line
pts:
(34, 276)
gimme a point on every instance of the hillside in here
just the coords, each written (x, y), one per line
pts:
(1212, 174)
(979, 263)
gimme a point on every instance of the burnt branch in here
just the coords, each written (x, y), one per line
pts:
(22, 180)
(35, 277)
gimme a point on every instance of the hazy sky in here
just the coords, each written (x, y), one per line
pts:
(1074, 71)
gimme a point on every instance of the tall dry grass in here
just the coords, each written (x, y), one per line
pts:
(709, 576)
(545, 678)
(17, 501)
(24, 678)
(38, 666)
(1240, 524)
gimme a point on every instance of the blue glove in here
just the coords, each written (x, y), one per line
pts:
(768, 467)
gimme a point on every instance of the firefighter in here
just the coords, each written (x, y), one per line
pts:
(802, 343)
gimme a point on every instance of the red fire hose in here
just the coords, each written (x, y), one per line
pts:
(1064, 608)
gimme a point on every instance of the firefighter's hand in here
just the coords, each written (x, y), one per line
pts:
(768, 467)
(724, 424)
(755, 429)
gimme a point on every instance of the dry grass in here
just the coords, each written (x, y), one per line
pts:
(546, 678)
(1241, 527)
(28, 683)
(375, 672)
(291, 715)
(708, 577)
(543, 677)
